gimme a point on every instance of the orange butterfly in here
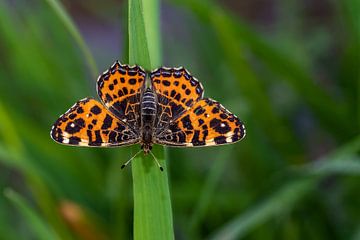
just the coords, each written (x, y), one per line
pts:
(168, 110)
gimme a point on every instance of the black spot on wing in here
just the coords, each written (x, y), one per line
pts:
(195, 140)
(215, 110)
(74, 140)
(199, 90)
(193, 82)
(75, 126)
(172, 93)
(72, 116)
(133, 71)
(95, 110)
(79, 110)
(165, 73)
(56, 133)
(112, 137)
(236, 135)
(223, 115)
(214, 122)
(220, 140)
(187, 75)
(222, 128)
(166, 83)
(107, 122)
(189, 102)
(187, 122)
(199, 110)
(108, 97)
(201, 122)
(80, 122)
(119, 127)
(132, 81)
(89, 134)
(98, 139)
(181, 137)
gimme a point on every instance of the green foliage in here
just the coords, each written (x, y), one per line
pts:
(152, 206)
(37, 224)
(69, 25)
(292, 78)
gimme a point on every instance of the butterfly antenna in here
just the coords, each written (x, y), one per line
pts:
(128, 161)
(157, 162)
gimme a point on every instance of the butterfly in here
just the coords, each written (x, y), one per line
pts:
(165, 106)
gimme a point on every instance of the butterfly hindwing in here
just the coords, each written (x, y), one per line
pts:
(89, 123)
(177, 91)
(120, 90)
(207, 123)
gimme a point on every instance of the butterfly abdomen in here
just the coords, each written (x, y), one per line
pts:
(148, 117)
(148, 104)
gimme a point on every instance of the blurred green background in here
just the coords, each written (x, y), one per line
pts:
(288, 69)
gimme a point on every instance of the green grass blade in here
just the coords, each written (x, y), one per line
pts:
(344, 161)
(14, 154)
(152, 205)
(281, 202)
(152, 29)
(356, 235)
(248, 81)
(35, 222)
(209, 190)
(285, 198)
(138, 44)
(70, 26)
(350, 71)
(349, 165)
(331, 112)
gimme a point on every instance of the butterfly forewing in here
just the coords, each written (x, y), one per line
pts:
(89, 123)
(120, 90)
(176, 92)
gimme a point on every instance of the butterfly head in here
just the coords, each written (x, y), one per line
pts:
(146, 147)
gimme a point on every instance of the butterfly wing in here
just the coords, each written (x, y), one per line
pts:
(207, 123)
(89, 123)
(177, 91)
(120, 88)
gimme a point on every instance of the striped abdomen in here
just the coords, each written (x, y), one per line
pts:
(148, 115)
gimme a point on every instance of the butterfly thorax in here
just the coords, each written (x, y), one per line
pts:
(148, 117)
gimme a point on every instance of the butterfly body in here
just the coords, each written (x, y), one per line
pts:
(170, 111)
(148, 109)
